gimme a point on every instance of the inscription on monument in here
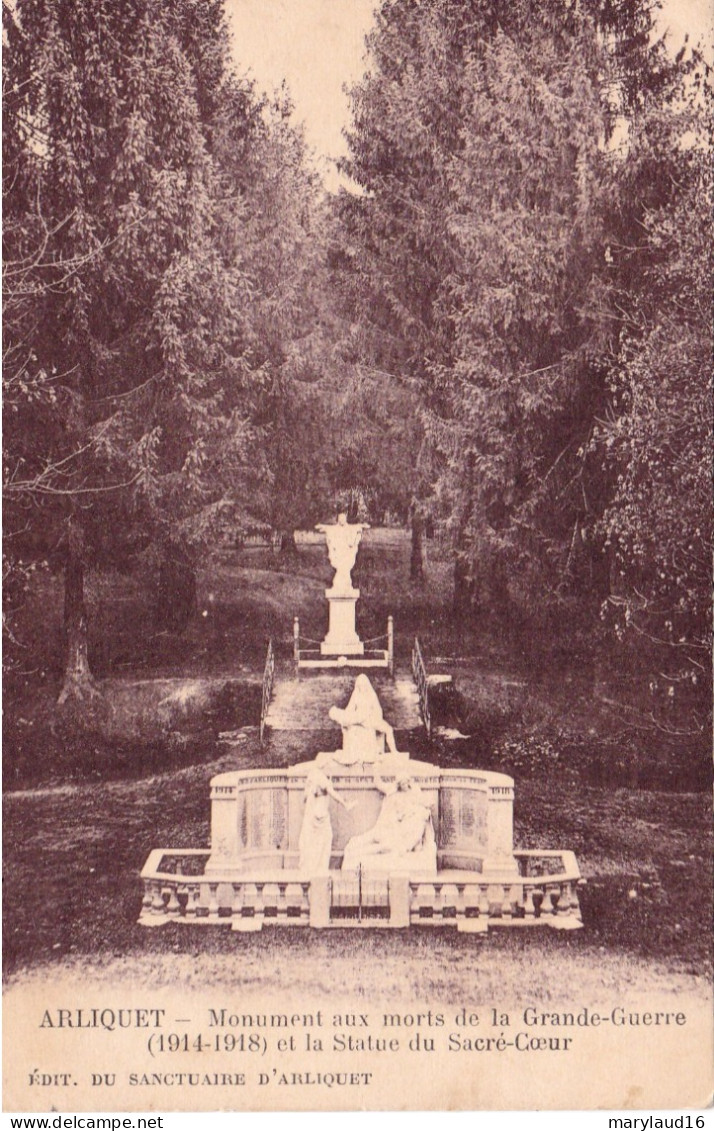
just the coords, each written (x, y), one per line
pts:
(242, 821)
(449, 817)
(279, 816)
(468, 816)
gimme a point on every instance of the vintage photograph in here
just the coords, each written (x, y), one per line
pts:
(357, 536)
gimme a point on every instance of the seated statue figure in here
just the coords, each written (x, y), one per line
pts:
(364, 728)
(401, 836)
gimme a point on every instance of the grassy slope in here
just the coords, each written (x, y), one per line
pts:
(72, 891)
(73, 851)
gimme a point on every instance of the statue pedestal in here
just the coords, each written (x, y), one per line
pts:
(342, 638)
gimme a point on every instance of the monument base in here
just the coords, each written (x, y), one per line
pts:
(498, 867)
(342, 638)
(312, 658)
(362, 838)
(338, 648)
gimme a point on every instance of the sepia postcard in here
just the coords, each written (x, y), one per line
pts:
(357, 537)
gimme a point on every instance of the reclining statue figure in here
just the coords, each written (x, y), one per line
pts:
(402, 826)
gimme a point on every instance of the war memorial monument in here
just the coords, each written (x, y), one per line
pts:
(361, 835)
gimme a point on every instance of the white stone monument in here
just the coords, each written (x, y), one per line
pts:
(364, 729)
(343, 539)
(401, 839)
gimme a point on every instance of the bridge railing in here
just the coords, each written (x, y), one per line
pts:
(268, 680)
(422, 684)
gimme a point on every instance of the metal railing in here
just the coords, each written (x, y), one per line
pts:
(268, 680)
(380, 645)
(422, 683)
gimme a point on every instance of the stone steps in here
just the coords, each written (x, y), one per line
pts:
(303, 702)
(298, 726)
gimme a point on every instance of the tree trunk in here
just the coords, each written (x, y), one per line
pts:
(416, 562)
(78, 680)
(176, 593)
(287, 545)
(463, 586)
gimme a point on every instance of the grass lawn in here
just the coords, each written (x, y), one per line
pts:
(72, 897)
(74, 845)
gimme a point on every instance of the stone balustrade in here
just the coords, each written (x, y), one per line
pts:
(544, 892)
(243, 904)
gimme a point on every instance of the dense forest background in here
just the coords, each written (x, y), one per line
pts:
(499, 335)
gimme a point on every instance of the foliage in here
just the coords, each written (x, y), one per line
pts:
(521, 387)
(657, 436)
(527, 204)
(153, 203)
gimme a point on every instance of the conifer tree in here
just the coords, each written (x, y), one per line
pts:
(138, 289)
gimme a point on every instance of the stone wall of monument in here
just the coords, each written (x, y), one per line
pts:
(256, 817)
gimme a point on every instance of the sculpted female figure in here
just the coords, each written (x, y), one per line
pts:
(362, 723)
(315, 843)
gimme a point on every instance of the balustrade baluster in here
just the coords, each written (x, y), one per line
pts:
(259, 900)
(418, 900)
(237, 901)
(173, 907)
(551, 894)
(305, 901)
(192, 903)
(564, 901)
(472, 897)
(528, 904)
(460, 901)
(449, 902)
(158, 907)
(271, 895)
(506, 904)
(437, 902)
(250, 898)
(484, 905)
(293, 901)
(496, 895)
(428, 896)
(282, 903)
(213, 901)
(539, 900)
